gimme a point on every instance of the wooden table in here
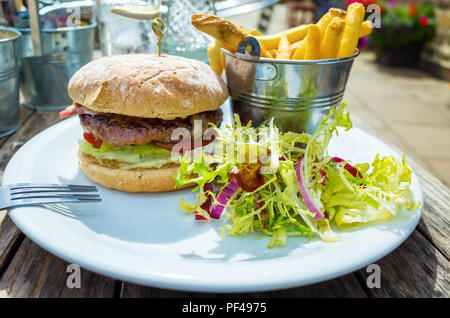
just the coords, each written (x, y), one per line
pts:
(418, 268)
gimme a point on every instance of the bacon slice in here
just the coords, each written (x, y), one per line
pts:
(75, 109)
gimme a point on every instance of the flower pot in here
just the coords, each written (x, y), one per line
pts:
(403, 56)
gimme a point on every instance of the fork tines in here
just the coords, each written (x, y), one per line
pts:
(81, 197)
(25, 194)
(69, 192)
(71, 187)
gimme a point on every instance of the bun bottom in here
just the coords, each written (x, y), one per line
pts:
(136, 180)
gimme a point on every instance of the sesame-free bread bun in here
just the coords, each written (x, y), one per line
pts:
(148, 85)
(136, 180)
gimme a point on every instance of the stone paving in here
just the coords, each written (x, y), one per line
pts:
(408, 107)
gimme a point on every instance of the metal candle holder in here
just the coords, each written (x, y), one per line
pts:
(158, 25)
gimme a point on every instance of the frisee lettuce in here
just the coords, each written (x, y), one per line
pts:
(276, 208)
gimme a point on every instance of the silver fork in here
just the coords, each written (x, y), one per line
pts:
(23, 194)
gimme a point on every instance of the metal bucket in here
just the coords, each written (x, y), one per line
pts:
(9, 82)
(44, 78)
(297, 94)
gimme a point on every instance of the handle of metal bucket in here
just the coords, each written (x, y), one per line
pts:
(250, 50)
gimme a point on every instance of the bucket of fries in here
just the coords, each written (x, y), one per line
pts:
(294, 76)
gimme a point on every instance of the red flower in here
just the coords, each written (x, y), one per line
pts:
(423, 21)
(412, 9)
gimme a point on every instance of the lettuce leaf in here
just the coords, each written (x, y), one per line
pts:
(129, 157)
(377, 196)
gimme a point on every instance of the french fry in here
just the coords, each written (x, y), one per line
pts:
(327, 17)
(299, 53)
(366, 28)
(336, 12)
(264, 52)
(330, 44)
(298, 33)
(294, 46)
(313, 41)
(270, 55)
(309, 47)
(350, 35)
(216, 58)
(283, 52)
(324, 21)
(255, 32)
(294, 35)
(228, 34)
(335, 35)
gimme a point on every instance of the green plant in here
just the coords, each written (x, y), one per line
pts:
(403, 24)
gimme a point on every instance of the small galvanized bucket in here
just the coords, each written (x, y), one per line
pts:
(297, 94)
(9, 82)
(44, 78)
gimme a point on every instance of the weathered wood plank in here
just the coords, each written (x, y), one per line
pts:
(130, 290)
(9, 240)
(435, 222)
(415, 269)
(38, 122)
(25, 114)
(34, 272)
(346, 286)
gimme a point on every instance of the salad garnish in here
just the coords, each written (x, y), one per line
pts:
(286, 184)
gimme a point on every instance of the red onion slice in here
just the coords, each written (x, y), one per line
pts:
(307, 198)
(207, 204)
(323, 176)
(352, 170)
(227, 193)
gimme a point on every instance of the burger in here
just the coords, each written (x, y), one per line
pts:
(129, 106)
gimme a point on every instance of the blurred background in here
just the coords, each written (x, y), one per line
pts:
(399, 86)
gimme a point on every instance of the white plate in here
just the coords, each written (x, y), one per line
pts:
(146, 239)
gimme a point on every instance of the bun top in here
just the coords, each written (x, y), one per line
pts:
(148, 85)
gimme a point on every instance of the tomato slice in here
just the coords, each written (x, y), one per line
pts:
(96, 143)
(247, 176)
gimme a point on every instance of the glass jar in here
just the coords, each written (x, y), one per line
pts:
(123, 35)
(181, 37)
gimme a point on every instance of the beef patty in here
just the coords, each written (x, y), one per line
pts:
(121, 130)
